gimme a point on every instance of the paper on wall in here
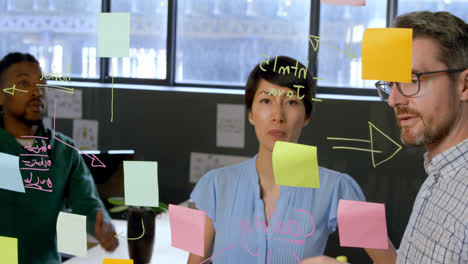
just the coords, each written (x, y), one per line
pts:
(230, 127)
(201, 163)
(85, 134)
(69, 105)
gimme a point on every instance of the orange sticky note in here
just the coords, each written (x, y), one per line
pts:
(362, 224)
(386, 54)
(187, 229)
(117, 261)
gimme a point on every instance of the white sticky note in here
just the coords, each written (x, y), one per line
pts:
(114, 35)
(71, 234)
(141, 183)
(11, 174)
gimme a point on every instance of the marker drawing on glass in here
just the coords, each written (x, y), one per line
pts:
(95, 161)
(37, 161)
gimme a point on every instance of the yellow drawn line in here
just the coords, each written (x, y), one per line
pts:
(136, 238)
(360, 149)
(112, 101)
(13, 89)
(348, 139)
(318, 100)
(372, 144)
(64, 89)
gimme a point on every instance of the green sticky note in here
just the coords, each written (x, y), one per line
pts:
(295, 165)
(71, 234)
(9, 250)
(114, 35)
(141, 183)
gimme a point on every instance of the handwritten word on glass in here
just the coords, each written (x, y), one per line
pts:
(187, 229)
(362, 224)
(37, 159)
(295, 165)
(11, 174)
(57, 75)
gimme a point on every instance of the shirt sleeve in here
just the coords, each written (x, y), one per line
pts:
(346, 188)
(82, 194)
(204, 195)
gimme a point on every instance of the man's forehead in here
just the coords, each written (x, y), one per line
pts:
(24, 69)
(426, 55)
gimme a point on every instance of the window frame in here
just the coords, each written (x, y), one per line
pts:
(171, 46)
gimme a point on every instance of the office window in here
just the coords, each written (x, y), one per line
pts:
(61, 34)
(458, 8)
(148, 36)
(220, 41)
(343, 27)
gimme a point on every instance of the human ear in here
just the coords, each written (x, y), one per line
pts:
(306, 121)
(251, 120)
(464, 91)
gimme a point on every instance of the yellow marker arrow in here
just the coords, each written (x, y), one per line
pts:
(371, 150)
(64, 89)
(314, 41)
(13, 89)
(136, 238)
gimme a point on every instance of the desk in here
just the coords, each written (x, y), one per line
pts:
(163, 252)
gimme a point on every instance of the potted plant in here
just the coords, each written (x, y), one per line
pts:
(140, 244)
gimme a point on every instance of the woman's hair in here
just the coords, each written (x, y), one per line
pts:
(450, 32)
(13, 58)
(283, 71)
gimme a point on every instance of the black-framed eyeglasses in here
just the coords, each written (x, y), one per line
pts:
(407, 89)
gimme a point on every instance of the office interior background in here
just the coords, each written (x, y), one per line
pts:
(187, 56)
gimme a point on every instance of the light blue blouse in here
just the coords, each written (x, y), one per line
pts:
(299, 227)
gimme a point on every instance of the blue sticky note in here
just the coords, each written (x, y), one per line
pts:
(11, 174)
(114, 35)
(141, 183)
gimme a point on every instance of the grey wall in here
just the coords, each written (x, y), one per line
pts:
(167, 126)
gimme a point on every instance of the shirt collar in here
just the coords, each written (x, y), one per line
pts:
(448, 160)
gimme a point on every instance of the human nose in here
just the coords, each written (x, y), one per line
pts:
(278, 113)
(37, 91)
(396, 97)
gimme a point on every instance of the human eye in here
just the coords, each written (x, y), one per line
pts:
(23, 83)
(414, 79)
(264, 100)
(292, 102)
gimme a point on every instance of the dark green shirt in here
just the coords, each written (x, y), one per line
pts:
(31, 217)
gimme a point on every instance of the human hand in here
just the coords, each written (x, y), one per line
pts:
(320, 260)
(105, 233)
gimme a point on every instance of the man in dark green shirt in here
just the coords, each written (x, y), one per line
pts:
(51, 175)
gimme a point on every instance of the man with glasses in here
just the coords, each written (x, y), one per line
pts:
(432, 111)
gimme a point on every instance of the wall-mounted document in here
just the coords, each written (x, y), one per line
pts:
(85, 134)
(230, 126)
(201, 163)
(69, 105)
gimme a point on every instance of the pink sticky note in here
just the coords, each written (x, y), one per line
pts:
(187, 229)
(362, 224)
(345, 2)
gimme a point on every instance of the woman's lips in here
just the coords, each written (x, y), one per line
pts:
(276, 133)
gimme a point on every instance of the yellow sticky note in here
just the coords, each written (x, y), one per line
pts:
(9, 250)
(295, 165)
(114, 35)
(117, 261)
(386, 54)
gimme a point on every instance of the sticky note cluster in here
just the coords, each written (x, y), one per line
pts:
(387, 54)
(141, 183)
(295, 165)
(187, 229)
(362, 224)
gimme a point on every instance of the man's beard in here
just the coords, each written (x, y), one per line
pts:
(29, 122)
(429, 136)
